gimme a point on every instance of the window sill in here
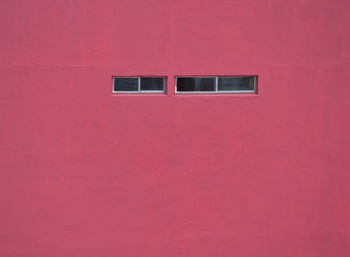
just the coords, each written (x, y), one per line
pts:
(235, 94)
(140, 94)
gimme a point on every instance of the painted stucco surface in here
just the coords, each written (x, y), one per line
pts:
(86, 173)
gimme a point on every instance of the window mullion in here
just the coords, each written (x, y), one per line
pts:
(139, 84)
(254, 83)
(175, 84)
(216, 83)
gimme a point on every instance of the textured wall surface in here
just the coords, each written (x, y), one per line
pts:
(85, 173)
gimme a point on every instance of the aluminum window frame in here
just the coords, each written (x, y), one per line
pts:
(216, 81)
(139, 84)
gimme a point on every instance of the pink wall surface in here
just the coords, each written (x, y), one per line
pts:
(88, 173)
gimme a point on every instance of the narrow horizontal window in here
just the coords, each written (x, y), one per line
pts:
(216, 84)
(237, 83)
(138, 84)
(126, 84)
(153, 84)
(188, 84)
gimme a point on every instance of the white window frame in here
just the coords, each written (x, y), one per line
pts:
(216, 85)
(139, 84)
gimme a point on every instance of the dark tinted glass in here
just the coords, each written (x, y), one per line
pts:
(236, 83)
(154, 84)
(126, 84)
(195, 84)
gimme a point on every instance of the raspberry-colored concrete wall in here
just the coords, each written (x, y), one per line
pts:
(86, 173)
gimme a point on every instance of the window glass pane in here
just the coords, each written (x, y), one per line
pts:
(236, 83)
(154, 84)
(126, 84)
(195, 84)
